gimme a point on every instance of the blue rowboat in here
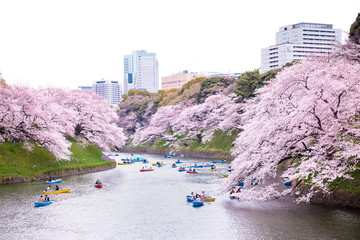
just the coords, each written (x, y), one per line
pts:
(200, 166)
(229, 170)
(198, 203)
(209, 165)
(218, 161)
(174, 166)
(288, 183)
(38, 204)
(54, 181)
(116, 154)
(168, 156)
(178, 162)
(159, 165)
(182, 155)
(189, 198)
(182, 170)
(145, 161)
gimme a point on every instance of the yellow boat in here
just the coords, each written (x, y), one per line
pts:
(58, 191)
(124, 163)
(225, 175)
(213, 170)
(154, 164)
(208, 199)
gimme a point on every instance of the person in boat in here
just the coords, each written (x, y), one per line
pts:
(150, 168)
(194, 170)
(232, 191)
(142, 168)
(50, 179)
(48, 188)
(203, 194)
(238, 191)
(56, 188)
(98, 182)
(46, 199)
(41, 199)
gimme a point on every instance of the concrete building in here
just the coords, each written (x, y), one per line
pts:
(178, 80)
(141, 71)
(110, 90)
(298, 41)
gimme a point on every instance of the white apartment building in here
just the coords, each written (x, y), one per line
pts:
(110, 90)
(298, 41)
(141, 71)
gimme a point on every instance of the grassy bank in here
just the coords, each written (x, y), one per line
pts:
(221, 142)
(16, 162)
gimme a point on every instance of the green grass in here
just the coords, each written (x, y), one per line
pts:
(220, 143)
(348, 185)
(16, 161)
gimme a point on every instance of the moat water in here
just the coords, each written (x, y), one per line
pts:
(152, 205)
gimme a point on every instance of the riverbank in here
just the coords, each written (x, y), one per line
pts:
(209, 155)
(20, 165)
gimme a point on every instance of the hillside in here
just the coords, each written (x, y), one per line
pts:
(18, 164)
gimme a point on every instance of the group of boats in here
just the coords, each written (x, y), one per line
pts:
(198, 201)
(47, 201)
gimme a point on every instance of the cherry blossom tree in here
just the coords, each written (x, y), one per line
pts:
(197, 122)
(89, 116)
(27, 116)
(45, 117)
(308, 113)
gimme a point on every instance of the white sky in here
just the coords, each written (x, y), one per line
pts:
(75, 42)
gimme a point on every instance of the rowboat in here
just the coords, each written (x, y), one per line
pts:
(182, 155)
(198, 203)
(116, 154)
(288, 183)
(98, 185)
(58, 191)
(189, 198)
(173, 166)
(182, 170)
(154, 164)
(213, 170)
(124, 163)
(218, 161)
(229, 170)
(178, 162)
(146, 170)
(38, 204)
(159, 165)
(200, 166)
(54, 181)
(208, 165)
(145, 161)
(191, 172)
(225, 175)
(208, 199)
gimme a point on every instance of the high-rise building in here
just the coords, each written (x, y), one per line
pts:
(141, 71)
(298, 41)
(178, 80)
(110, 90)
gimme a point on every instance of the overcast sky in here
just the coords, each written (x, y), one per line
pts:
(75, 42)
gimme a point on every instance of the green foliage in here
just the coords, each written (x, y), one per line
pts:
(16, 161)
(212, 86)
(354, 34)
(133, 92)
(249, 81)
